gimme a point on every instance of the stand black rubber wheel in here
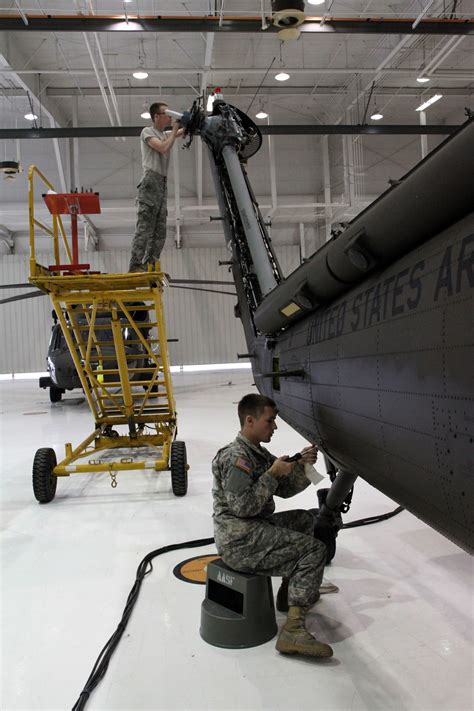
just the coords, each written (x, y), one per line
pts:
(179, 468)
(44, 481)
(55, 394)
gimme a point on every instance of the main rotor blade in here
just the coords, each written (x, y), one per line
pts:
(17, 286)
(200, 281)
(197, 288)
(20, 297)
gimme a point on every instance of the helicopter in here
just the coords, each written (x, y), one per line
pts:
(62, 371)
(367, 347)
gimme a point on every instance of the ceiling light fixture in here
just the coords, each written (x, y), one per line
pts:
(141, 73)
(261, 114)
(377, 115)
(316, 2)
(434, 98)
(422, 77)
(145, 115)
(31, 117)
(281, 76)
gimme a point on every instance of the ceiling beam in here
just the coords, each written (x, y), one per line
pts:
(275, 129)
(451, 74)
(231, 91)
(185, 23)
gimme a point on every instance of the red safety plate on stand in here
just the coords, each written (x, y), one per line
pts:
(74, 267)
(72, 203)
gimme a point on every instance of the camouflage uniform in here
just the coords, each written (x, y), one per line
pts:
(150, 233)
(249, 536)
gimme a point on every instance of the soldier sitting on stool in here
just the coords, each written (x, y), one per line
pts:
(251, 538)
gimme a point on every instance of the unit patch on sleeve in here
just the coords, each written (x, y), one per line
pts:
(244, 465)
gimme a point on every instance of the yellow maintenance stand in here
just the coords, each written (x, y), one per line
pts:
(115, 330)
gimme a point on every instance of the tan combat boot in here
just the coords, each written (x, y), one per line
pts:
(295, 639)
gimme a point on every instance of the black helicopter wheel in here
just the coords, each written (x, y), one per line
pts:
(179, 468)
(55, 394)
(44, 481)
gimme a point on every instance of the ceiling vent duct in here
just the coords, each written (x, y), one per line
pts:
(288, 14)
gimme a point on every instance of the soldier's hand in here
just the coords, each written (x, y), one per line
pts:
(176, 125)
(281, 467)
(309, 454)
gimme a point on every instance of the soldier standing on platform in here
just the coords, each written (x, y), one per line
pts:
(150, 233)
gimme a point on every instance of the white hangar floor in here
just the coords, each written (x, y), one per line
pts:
(401, 625)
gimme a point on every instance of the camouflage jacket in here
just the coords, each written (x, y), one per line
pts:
(243, 488)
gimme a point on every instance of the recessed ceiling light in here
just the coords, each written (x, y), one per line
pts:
(31, 117)
(422, 79)
(282, 76)
(376, 116)
(261, 115)
(140, 74)
(434, 98)
(145, 115)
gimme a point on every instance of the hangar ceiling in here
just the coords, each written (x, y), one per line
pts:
(77, 75)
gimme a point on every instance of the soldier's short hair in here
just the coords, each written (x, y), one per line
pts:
(156, 108)
(253, 405)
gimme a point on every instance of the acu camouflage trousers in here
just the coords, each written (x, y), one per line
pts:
(283, 544)
(150, 233)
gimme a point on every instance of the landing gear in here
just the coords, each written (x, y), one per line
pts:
(179, 468)
(55, 393)
(333, 502)
(327, 535)
(44, 481)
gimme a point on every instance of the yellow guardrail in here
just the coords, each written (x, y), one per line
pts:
(53, 231)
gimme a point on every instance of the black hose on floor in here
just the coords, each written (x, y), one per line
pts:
(100, 667)
(102, 663)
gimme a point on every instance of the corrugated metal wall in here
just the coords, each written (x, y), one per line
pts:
(204, 323)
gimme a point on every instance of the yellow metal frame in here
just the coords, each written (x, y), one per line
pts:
(122, 361)
(53, 231)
